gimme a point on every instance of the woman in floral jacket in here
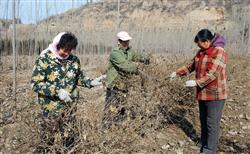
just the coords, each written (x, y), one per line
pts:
(55, 77)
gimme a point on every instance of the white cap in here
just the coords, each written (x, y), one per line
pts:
(123, 36)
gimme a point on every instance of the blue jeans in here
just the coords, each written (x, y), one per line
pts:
(210, 116)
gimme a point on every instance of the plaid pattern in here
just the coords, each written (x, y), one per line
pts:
(210, 67)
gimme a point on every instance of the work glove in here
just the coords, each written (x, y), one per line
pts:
(64, 95)
(102, 77)
(173, 76)
(191, 83)
(97, 81)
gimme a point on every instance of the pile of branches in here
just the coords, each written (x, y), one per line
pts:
(152, 102)
(153, 96)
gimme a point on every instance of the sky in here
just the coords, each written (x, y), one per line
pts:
(32, 11)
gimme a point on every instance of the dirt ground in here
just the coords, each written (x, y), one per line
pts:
(18, 127)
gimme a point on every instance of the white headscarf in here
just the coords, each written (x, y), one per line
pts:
(53, 46)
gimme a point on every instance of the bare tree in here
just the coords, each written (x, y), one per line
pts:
(118, 14)
(14, 49)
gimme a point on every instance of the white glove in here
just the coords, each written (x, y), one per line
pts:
(64, 95)
(100, 78)
(97, 81)
(190, 83)
(172, 76)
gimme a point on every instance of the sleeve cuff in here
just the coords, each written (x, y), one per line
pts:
(88, 83)
(198, 83)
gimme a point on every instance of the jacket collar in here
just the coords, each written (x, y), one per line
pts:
(125, 50)
(207, 51)
(55, 59)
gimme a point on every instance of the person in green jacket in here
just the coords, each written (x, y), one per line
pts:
(56, 75)
(122, 63)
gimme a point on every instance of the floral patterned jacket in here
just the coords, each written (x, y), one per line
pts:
(51, 74)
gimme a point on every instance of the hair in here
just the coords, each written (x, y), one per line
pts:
(204, 35)
(67, 41)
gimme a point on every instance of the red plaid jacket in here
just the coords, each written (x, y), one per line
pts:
(210, 67)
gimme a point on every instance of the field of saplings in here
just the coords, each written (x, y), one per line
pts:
(157, 115)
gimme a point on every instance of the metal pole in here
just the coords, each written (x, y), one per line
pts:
(14, 49)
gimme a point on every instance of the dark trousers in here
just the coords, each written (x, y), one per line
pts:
(114, 111)
(110, 94)
(210, 116)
